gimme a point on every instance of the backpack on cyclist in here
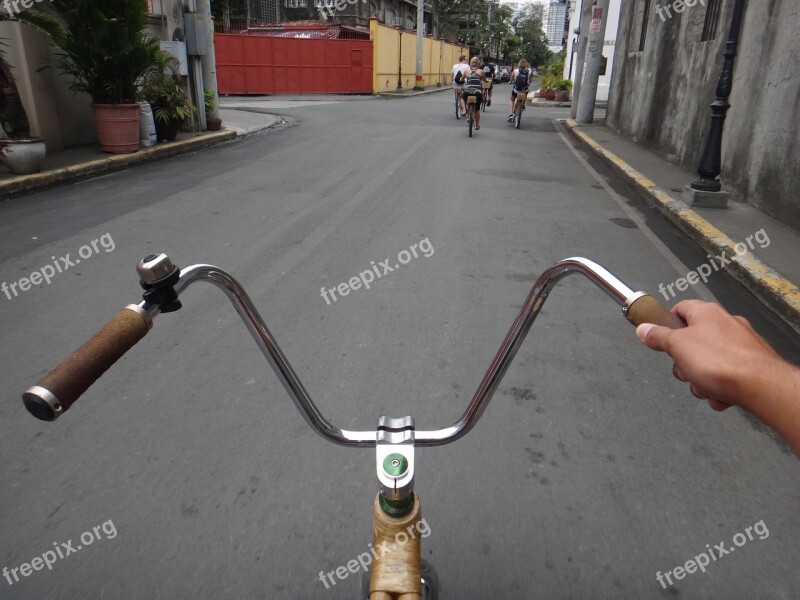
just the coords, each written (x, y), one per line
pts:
(522, 82)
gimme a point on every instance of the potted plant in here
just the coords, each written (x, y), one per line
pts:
(163, 89)
(562, 87)
(106, 51)
(22, 153)
(548, 92)
(214, 123)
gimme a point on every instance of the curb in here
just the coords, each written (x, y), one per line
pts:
(412, 94)
(775, 291)
(25, 184)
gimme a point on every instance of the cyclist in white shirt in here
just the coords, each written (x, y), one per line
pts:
(459, 69)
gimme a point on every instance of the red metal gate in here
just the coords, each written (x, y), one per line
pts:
(249, 64)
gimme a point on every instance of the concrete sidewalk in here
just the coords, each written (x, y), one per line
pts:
(769, 272)
(83, 162)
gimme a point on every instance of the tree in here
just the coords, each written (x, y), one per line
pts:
(534, 44)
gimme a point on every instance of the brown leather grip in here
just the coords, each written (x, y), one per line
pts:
(62, 386)
(396, 541)
(646, 309)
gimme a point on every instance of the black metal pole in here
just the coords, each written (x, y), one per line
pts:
(711, 162)
(400, 60)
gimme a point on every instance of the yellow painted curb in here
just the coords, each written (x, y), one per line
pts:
(773, 289)
(25, 184)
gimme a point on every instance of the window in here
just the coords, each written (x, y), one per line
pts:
(645, 21)
(603, 65)
(410, 23)
(712, 20)
(321, 3)
(391, 17)
(296, 3)
(155, 7)
(641, 19)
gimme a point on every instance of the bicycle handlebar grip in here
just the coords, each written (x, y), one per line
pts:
(643, 308)
(62, 386)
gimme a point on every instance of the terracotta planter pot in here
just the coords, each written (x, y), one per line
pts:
(117, 127)
(214, 123)
(562, 96)
(23, 157)
(550, 95)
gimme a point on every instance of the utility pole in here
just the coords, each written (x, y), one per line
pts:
(583, 40)
(420, 36)
(208, 61)
(594, 58)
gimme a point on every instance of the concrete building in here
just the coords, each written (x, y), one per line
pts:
(607, 68)
(54, 113)
(554, 17)
(667, 69)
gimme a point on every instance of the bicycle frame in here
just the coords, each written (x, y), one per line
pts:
(519, 106)
(394, 439)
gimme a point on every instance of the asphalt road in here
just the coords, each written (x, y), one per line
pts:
(591, 470)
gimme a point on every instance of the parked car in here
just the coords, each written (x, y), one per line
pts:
(504, 73)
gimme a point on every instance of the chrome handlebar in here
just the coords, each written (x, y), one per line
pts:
(491, 380)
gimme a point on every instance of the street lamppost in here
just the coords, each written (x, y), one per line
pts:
(400, 59)
(707, 190)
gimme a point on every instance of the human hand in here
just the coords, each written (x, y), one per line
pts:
(720, 355)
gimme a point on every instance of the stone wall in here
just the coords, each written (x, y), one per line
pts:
(661, 95)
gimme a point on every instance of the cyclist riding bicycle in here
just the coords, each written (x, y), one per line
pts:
(488, 71)
(472, 86)
(458, 83)
(521, 81)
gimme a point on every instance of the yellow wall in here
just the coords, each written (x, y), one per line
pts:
(437, 64)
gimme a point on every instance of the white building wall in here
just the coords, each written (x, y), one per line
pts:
(612, 25)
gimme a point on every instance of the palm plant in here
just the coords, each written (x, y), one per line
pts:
(163, 89)
(107, 49)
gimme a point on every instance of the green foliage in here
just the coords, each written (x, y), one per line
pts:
(106, 49)
(208, 102)
(163, 89)
(562, 85)
(533, 45)
(548, 82)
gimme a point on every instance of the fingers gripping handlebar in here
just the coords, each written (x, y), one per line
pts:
(59, 389)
